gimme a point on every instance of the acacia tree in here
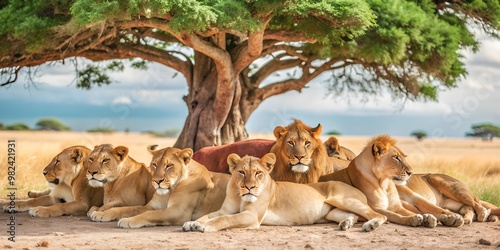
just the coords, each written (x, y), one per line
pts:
(410, 48)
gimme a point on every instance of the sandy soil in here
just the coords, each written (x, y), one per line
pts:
(78, 232)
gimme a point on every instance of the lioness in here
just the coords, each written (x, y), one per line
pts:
(333, 149)
(446, 192)
(301, 157)
(70, 193)
(185, 190)
(253, 198)
(374, 172)
(126, 182)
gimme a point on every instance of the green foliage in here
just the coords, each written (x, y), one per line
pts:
(51, 124)
(484, 130)
(101, 130)
(419, 134)
(98, 75)
(17, 126)
(166, 133)
(333, 132)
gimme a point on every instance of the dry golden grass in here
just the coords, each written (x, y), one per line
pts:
(473, 161)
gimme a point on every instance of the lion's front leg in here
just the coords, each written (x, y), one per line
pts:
(22, 206)
(77, 207)
(148, 218)
(245, 219)
(116, 213)
(36, 193)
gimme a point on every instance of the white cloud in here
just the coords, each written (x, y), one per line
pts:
(122, 100)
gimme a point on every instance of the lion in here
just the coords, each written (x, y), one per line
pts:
(446, 192)
(185, 190)
(333, 149)
(253, 198)
(301, 157)
(126, 182)
(70, 194)
(375, 170)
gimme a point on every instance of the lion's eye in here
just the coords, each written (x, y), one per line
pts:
(57, 162)
(105, 161)
(91, 160)
(308, 143)
(241, 172)
(258, 173)
(396, 158)
(154, 165)
(291, 143)
(169, 166)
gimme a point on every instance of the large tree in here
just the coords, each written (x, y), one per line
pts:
(230, 48)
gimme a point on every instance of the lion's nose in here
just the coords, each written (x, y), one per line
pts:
(299, 157)
(45, 173)
(158, 181)
(92, 173)
(249, 188)
(409, 172)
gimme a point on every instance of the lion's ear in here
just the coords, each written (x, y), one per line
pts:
(152, 149)
(267, 161)
(378, 149)
(186, 155)
(316, 132)
(77, 155)
(120, 152)
(332, 143)
(279, 132)
(233, 160)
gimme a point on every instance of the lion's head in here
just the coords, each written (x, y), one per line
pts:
(300, 155)
(389, 161)
(334, 149)
(65, 166)
(250, 175)
(104, 164)
(169, 166)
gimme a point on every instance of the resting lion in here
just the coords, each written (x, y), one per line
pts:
(253, 198)
(301, 157)
(446, 192)
(185, 190)
(70, 193)
(126, 182)
(333, 149)
(375, 170)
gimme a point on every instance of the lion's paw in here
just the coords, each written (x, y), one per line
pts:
(100, 216)
(10, 209)
(39, 212)
(371, 225)
(129, 223)
(92, 209)
(197, 226)
(483, 214)
(452, 220)
(493, 218)
(416, 220)
(346, 224)
(429, 221)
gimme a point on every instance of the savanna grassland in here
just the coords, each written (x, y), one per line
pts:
(473, 161)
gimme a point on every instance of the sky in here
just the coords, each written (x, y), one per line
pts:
(152, 100)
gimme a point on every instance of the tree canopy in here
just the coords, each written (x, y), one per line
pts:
(51, 124)
(228, 49)
(419, 134)
(484, 130)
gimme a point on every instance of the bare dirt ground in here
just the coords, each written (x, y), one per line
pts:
(78, 232)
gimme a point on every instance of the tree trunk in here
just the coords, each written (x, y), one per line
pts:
(207, 123)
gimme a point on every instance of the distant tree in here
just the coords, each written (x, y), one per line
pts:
(17, 126)
(51, 124)
(419, 134)
(166, 133)
(1, 126)
(101, 130)
(333, 132)
(484, 130)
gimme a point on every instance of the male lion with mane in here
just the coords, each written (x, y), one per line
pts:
(185, 190)
(126, 182)
(301, 157)
(254, 198)
(69, 192)
(375, 170)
